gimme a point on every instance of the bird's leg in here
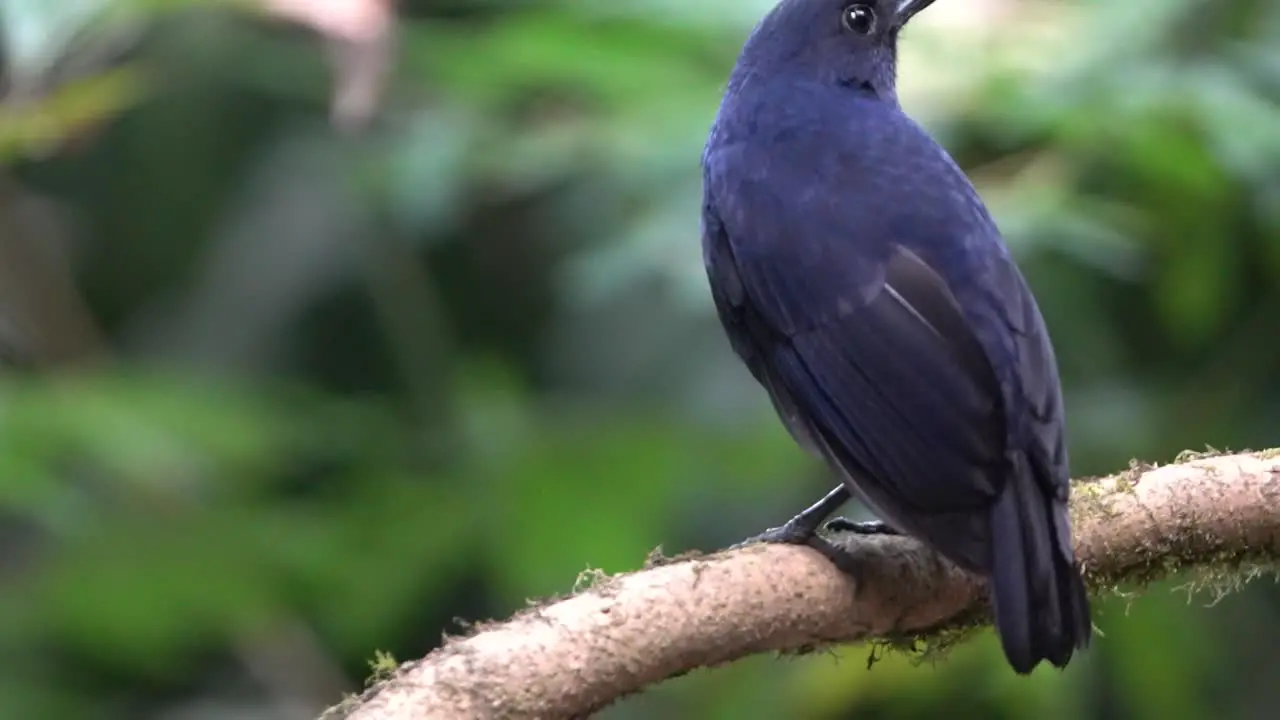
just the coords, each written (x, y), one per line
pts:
(802, 528)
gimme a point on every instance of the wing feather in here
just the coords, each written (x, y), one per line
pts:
(886, 341)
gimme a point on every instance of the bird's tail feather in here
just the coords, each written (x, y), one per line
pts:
(1041, 606)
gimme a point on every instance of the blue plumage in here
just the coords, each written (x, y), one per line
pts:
(863, 282)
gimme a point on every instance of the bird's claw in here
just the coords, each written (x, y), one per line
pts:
(797, 532)
(803, 530)
(859, 527)
(793, 532)
(845, 561)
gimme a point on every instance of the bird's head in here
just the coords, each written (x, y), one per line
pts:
(850, 43)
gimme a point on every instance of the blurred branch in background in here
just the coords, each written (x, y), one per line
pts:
(360, 35)
(66, 69)
(43, 318)
(1219, 516)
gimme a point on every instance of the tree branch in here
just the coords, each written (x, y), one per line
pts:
(1217, 515)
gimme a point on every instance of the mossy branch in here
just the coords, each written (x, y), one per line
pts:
(1215, 515)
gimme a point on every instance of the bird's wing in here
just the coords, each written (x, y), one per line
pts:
(895, 383)
(1019, 326)
(869, 341)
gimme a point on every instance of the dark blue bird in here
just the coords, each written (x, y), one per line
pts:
(863, 282)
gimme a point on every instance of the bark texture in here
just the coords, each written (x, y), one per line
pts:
(1216, 515)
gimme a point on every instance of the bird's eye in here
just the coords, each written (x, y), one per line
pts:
(859, 18)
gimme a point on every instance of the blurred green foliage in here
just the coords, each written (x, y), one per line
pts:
(282, 396)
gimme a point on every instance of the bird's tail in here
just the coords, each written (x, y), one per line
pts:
(1041, 606)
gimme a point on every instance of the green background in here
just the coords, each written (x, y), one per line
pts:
(280, 396)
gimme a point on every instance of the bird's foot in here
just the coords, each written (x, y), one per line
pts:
(804, 526)
(857, 527)
(803, 530)
(840, 555)
(798, 532)
(794, 532)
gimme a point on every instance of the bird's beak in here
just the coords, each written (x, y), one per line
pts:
(908, 9)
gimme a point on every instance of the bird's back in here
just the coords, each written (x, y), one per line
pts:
(830, 182)
(881, 167)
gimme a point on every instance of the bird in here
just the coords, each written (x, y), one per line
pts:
(865, 285)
